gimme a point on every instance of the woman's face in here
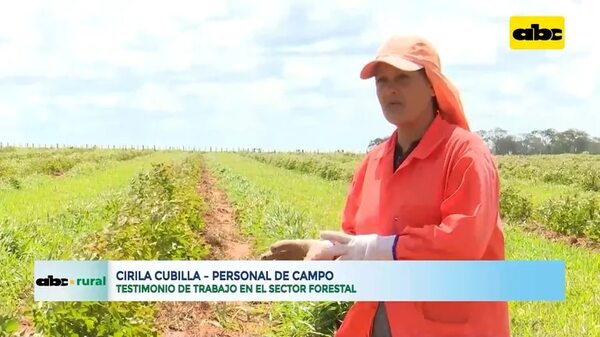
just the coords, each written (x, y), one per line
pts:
(405, 96)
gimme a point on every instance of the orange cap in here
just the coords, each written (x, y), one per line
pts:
(412, 53)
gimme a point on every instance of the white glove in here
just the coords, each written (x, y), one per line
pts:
(357, 247)
(295, 249)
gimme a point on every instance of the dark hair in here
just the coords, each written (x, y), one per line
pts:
(435, 104)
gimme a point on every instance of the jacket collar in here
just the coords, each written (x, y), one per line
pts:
(437, 131)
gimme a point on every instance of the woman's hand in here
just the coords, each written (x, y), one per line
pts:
(296, 250)
(357, 247)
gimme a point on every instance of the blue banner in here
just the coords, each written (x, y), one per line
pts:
(300, 280)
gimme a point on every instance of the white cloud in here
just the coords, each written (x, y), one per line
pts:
(459, 37)
(81, 102)
(240, 70)
(579, 77)
(7, 111)
(155, 97)
(507, 8)
(267, 93)
(8, 116)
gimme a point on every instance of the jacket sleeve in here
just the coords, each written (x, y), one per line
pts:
(469, 213)
(352, 200)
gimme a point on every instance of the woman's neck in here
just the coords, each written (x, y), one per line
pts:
(409, 133)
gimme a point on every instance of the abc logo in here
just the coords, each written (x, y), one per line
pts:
(537, 32)
(51, 281)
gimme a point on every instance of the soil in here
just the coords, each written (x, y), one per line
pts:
(551, 235)
(207, 319)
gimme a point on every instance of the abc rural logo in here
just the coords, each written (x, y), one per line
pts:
(537, 32)
(52, 281)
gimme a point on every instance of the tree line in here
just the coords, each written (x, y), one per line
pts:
(549, 141)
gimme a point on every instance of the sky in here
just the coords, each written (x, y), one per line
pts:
(276, 75)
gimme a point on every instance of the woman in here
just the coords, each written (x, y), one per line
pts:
(430, 192)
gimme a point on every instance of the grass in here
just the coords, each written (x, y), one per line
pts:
(319, 204)
(157, 219)
(266, 217)
(522, 197)
(52, 194)
(541, 191)
(321, 200)
(579, 315)
(44, 222)
(24, 167)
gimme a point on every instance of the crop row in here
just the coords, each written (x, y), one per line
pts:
(273, 203)
(579, 170)
(317, 165)
(15, 166)
(268, 216)
(577, 214)
(159, 218)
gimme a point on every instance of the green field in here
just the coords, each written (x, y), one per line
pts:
(118, 204)
(300, 202)
(75, 213)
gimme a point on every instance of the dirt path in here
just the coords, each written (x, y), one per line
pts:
(206, 319)
(573, 240)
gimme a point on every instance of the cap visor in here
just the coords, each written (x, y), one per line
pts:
(368, 70)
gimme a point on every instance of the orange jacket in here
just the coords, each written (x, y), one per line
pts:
(443, 202)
